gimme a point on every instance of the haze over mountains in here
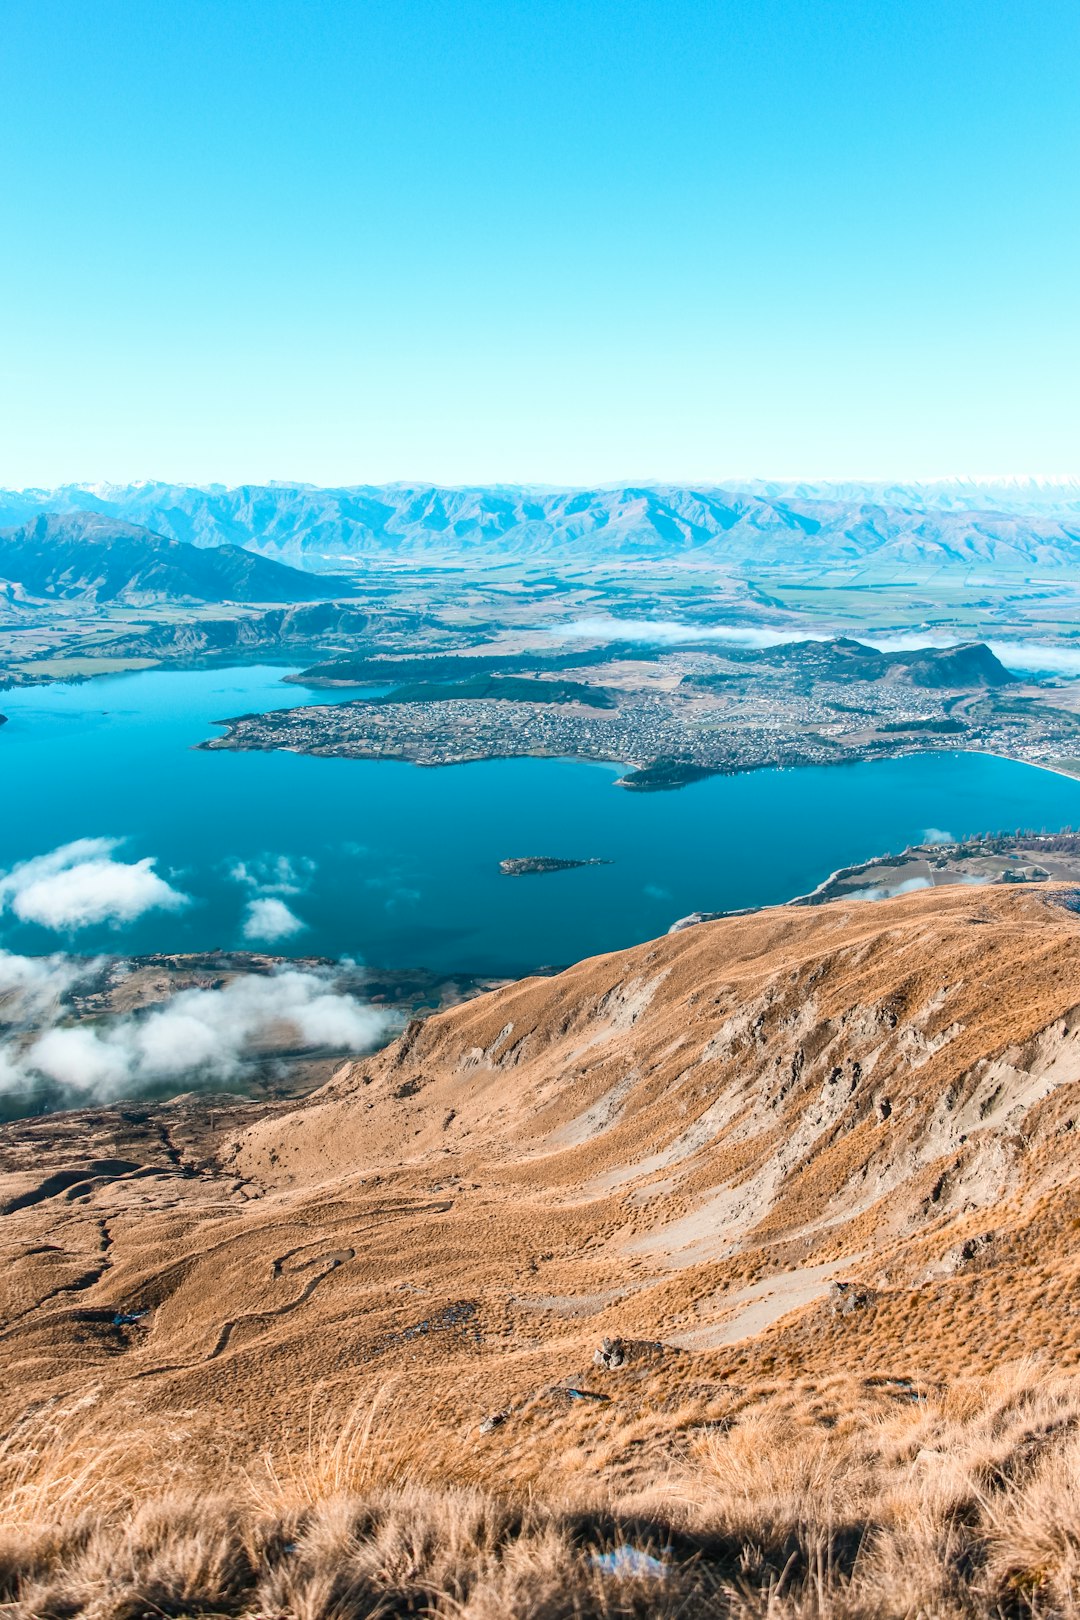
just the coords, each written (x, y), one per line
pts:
(90, 557)
(1052, 497)
(1011, 527)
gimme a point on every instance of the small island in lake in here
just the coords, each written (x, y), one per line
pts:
(524, 865)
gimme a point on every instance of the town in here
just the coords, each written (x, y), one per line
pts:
(687, 713)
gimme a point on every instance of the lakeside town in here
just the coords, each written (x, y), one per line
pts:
(684, 714)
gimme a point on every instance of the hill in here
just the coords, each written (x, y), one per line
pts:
(503, 688)
(298, 625)
(724, 1238)
(93, 558)
(894, 528)
(723, 1118)
(442, 668)
(970, 665)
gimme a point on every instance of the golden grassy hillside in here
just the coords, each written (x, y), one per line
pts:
(812, 1172)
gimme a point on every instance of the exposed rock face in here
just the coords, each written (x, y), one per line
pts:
(614, 1354)
(845, 1298)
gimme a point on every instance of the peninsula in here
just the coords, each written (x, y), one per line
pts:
(674, 715)
(1001, 858)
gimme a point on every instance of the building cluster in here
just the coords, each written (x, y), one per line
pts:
(748, 719)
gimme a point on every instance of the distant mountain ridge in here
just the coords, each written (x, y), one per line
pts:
(1020, 496)
(1011, 527)
(88, 556)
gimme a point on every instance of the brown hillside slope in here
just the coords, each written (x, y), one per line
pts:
(686, 1143)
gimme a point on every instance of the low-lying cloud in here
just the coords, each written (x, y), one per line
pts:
(1025, 657)
(676, 632)
(81, 885)
(274, 874)
(269, 919)
(199, 1037)
(889, 891)
(1033, 658)
(32, 987)
(660, 632)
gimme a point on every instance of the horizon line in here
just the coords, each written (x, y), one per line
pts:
(102, 487)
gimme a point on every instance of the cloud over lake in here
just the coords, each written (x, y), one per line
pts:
(274, 874)
(270, 919)
(81, 885)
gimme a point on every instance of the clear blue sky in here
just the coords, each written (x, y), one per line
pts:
(538, 240)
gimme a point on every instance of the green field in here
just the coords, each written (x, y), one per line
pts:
(59, 669)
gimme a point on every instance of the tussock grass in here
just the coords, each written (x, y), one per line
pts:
(841, 1503)
(374, 1443)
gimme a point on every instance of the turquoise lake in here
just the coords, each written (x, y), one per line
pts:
(401, 863)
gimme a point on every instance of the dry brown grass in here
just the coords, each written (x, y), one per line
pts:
(958, 1503)
(375, 1443)
(273, 1407)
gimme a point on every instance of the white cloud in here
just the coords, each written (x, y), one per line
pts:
(658, 632)
(12, 1077)
(270, 919)
(661, 632)
(909, 886)
(937, 835)
(32, 985)
(1029, 657)
(274, 874)
(80, 1059)
(889, 891)
(199, 1037)
(80, 885)
(333, 1020)
(1032, 658)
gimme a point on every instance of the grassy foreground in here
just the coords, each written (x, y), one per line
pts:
(955, 1502)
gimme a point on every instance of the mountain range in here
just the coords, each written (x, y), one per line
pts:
(1050, 497)
(93, 557)
(1007, 527)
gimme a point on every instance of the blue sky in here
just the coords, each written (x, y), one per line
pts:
(538, 240)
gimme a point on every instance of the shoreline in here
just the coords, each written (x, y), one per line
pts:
(1036, 764)
(223, 661)
(225, 745)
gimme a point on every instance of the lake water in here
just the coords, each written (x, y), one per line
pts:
(399, 865)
